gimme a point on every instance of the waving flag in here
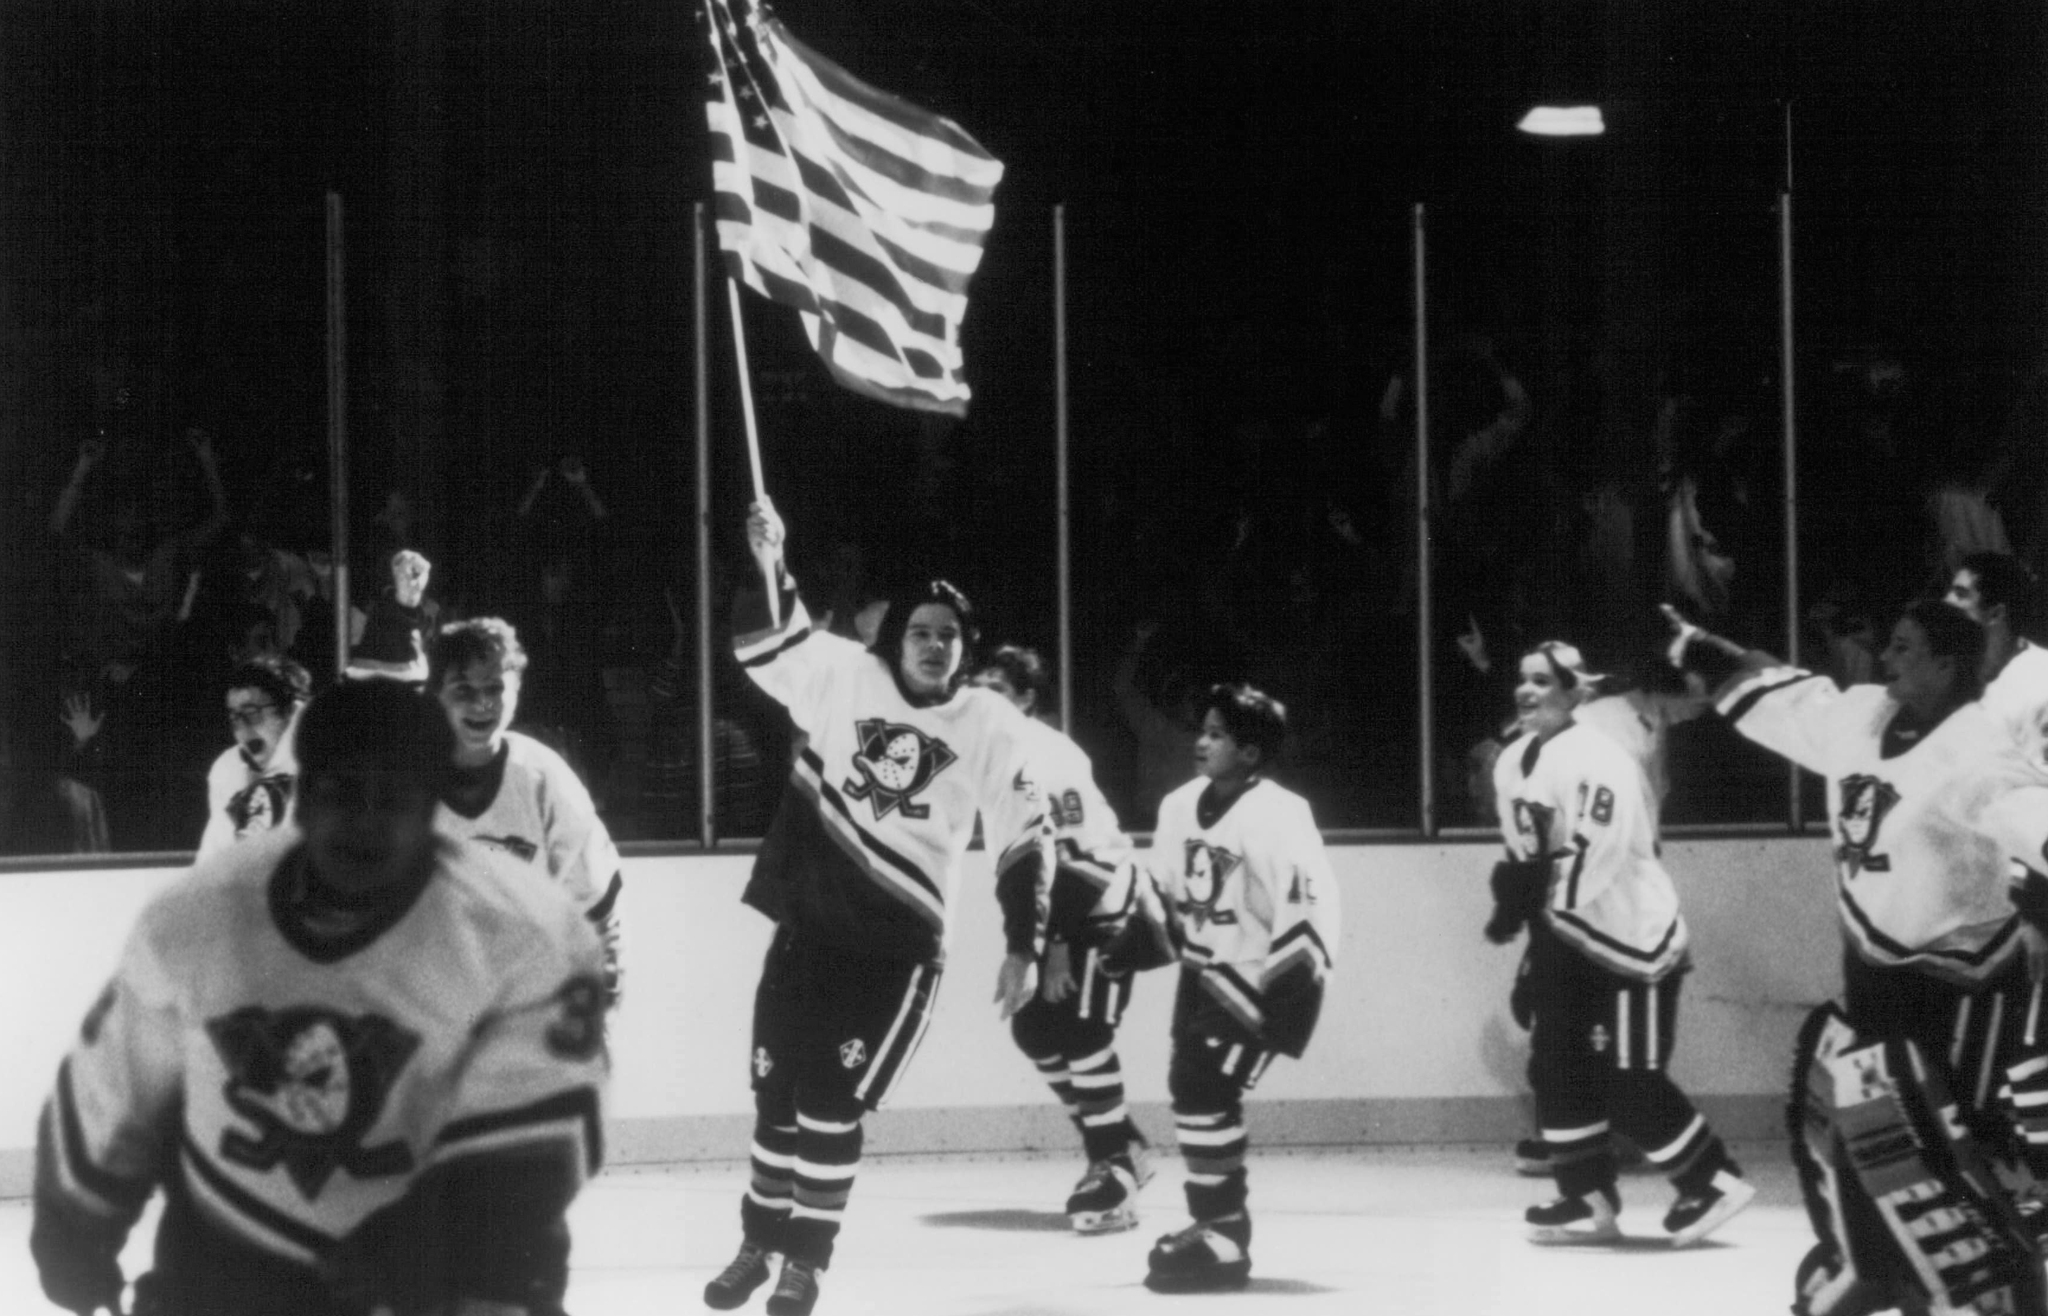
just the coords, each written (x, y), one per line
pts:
(864, 212)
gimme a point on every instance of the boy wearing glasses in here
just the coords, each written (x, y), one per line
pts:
(249, 787)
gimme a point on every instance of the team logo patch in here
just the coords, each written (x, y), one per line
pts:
(260, 805)
(1207, 871)
(1865, 802)
(853, 1053)
(896, 763)
(313, 1082)
(1600, 1038)
(763, 1062)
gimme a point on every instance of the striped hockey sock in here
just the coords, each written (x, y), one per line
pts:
(827, 1158)
(1098, 1082)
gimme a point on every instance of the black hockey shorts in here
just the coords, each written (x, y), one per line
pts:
(1972, 1034)
(1083, 1023)
(834, 1028)
(1590, 1022)
(1215, 1060)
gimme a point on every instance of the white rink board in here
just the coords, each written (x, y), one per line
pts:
(1415, 1043)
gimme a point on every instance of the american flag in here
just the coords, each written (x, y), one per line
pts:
(864, 212)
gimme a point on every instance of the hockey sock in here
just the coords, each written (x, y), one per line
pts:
(770, 1191)
(827, 1158)
(1098, 1082)
(1053, 1069)
(1581, 1159)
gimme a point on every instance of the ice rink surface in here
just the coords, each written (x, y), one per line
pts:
(1413, 1232)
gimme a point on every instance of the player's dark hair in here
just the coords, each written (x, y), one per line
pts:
(1251, 716)
(888, 645)
(382, 727)
(460, 644)
(2005, 581)
(284, 682)
(1951, 634)
(1026, 671)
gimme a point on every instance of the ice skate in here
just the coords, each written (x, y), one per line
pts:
(737, 1282)
(1198, 1259)
(1588, 1219)
(796, 1292)
(1104, 1202)
(1695, 1215)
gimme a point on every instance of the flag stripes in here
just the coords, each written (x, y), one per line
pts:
(863, 212)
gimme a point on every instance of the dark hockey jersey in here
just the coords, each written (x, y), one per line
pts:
(286, 1089)
(884, 795)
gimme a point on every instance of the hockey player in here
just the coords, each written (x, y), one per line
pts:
(1241, 868)
(249, 787)
(1069, 1029)
(1935, 989)
(1639, 719)
(1607, 956)
(510, 792)
(1999, 593)
(897, 762)
(364, 1065)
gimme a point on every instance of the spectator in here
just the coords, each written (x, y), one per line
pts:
(393, 644)
(249, 788)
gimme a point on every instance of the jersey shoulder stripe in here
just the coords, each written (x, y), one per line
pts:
(843, 815)
(243, 1213)
(116, 1196)
(576, 1108)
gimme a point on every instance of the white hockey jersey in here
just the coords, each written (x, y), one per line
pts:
(2017, 699)
(889, 791)
(1093, 888)
(542, 816)
(241, 801)
(1919, 882)
(1254, 900)
(297, 1085)
(1582, 802)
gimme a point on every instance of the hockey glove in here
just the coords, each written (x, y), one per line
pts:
(1519, 886)
(1522, 998)
(2029, 895)
(78, 1258)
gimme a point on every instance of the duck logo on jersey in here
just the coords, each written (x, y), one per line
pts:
(260, 805)
(313, 1082)
(896, 762)
(1208, 871)
(1865, 802)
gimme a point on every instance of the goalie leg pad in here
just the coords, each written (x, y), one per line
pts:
(1898, 1191)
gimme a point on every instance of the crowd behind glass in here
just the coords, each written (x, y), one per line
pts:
(1287, 556)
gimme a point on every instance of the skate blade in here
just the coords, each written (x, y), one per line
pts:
(1104, 1222)
(1582, 1235)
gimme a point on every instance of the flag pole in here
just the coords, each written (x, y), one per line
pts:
(739, 347)
(1787, 364)
(337, 429)
(1425, 687)
(700, 322)
(1063, 529)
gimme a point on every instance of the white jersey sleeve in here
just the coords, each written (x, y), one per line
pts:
(107, 1133)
